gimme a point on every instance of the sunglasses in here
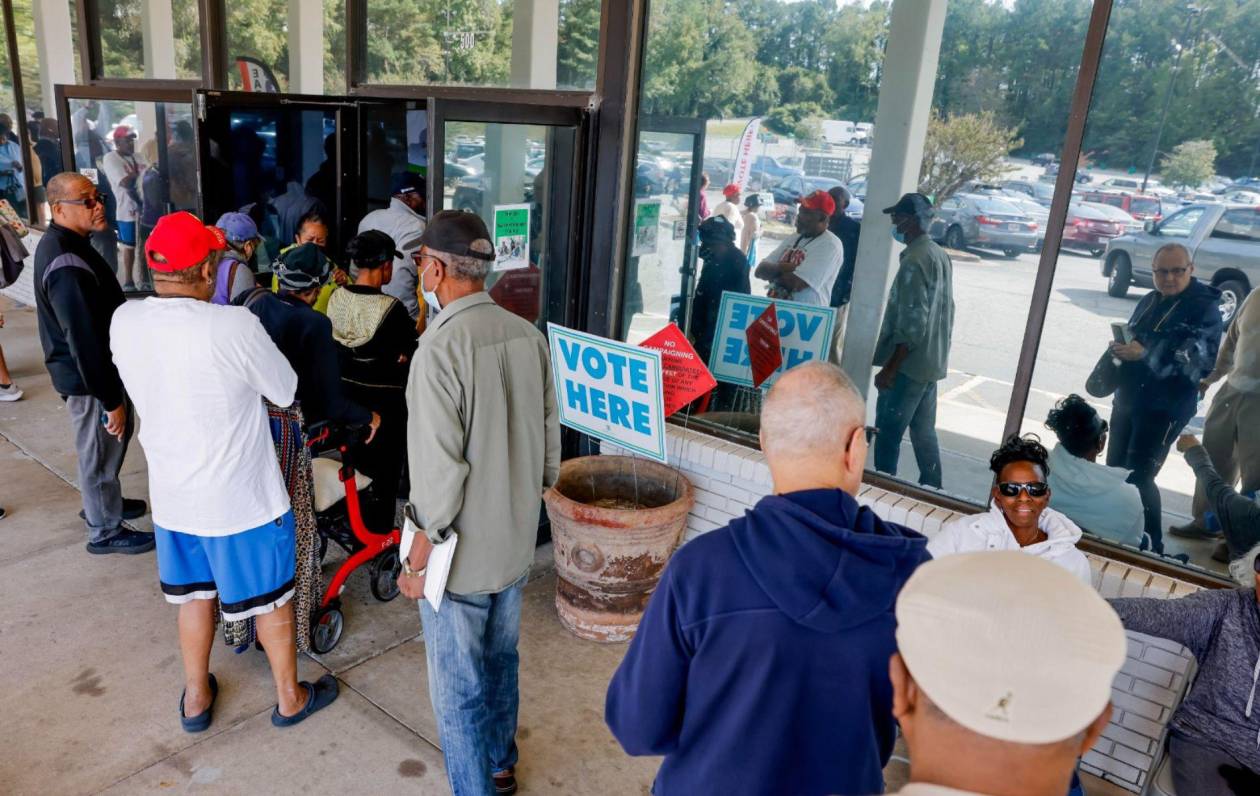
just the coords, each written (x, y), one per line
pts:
(870, 432)
(1010, 489)
(88, 202)
(1166, 272)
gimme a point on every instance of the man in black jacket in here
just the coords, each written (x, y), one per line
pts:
(847, 230)
(1176, 330)
(76, 294)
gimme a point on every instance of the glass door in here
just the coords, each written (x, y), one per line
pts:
(661, 263)
(516, 166)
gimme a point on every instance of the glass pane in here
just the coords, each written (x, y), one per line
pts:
(150, 38)
(13, 175)
(1115, 467)
(517, 177)
(141, 157)
(472, 42)
(394, 139)
(281, 46)
(278, 164)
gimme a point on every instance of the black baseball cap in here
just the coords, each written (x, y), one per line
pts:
(911, 204)
(407, 182)
(301, 267)
(372, 248)
(454, 232)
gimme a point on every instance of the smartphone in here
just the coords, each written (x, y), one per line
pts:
(1121, 333)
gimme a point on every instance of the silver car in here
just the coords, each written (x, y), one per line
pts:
(986, 222)
(1224, 240)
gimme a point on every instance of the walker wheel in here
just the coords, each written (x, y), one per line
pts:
(326, 629)
(386, 568)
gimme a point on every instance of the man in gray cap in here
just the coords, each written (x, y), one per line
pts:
(483, 482)
(913, 346)
(1003, 675)
(403, 221)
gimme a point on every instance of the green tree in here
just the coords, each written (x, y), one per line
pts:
(578, 49)
(801, 120)
(962, 149)
(1191, 164)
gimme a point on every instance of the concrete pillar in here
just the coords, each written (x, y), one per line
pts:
(901, 120)
(306, 47)
(535, 41)
(54, 49)
(158, 31)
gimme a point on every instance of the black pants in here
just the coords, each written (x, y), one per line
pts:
(1140, 439)
(384, 457)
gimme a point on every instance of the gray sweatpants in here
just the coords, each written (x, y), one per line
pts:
(100, 458)
(1230, 438)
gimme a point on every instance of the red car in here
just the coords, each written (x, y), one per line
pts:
(1143, 207)
(1089, 226)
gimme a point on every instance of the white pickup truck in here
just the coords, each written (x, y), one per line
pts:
(1224, 240)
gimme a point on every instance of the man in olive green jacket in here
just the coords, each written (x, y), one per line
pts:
(483, 442)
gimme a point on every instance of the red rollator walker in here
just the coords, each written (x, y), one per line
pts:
(340, 519)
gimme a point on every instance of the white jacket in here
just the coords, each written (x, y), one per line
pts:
(989, 531)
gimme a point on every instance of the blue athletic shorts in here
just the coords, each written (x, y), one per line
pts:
(251, 572)
(126, 232)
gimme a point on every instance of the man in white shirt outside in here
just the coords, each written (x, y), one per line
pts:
(804, 267)
(404, 222)
(730, 208)
(122, 168)
(197, 374)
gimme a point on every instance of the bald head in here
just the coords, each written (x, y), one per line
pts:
(811, 410)
(1172, 268)
(66, 185)
(70, 194)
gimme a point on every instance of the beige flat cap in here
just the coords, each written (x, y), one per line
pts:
(1008, 645)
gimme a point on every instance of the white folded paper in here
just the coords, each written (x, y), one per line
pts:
(439, 567)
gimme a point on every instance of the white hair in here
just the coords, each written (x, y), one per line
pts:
(470, 269)
(811, 409)
(1243, 568)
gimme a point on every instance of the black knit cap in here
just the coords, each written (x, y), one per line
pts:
(454, 232)
(372, 248)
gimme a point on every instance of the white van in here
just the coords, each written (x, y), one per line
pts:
(838, 133)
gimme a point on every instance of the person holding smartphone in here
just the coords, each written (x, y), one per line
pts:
(1019, 515)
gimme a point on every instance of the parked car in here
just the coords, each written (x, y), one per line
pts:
(1128, 223)
(1223, 239)
(766, 171)
(1034, 210)
(986, 222)
(718, 169)
(1242, 197)
(1044, 159)
(1090, 226)
(857, 187)
(1040, 192)
(791, 190)
(1143, 207)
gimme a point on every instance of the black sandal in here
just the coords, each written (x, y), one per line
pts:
(200, 722)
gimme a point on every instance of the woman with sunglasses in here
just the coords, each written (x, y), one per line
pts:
(1019, 516)
(1097, 497)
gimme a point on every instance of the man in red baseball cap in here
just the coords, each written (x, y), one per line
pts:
(197, 373)
(729, 208)
(804, 268)
(122, 169)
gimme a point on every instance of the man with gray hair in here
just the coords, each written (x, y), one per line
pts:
(779, 626)
(1171, 344)
(482, 481)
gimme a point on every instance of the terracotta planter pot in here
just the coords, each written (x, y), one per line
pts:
(609, 555)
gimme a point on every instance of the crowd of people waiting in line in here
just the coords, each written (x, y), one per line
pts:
(779, 654)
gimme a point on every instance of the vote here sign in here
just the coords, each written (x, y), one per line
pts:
(805, 333)
(609, 390)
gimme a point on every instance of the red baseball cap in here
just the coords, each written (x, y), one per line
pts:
(182, 241)
(731, 190)
(820, 200)
(123, 131)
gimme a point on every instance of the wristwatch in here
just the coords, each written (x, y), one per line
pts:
(408, 571)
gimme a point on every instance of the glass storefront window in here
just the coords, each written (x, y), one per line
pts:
(147, 39)
(1119, 470)
(13, 170)
(472, 42)
(141, 157)
(280, 46)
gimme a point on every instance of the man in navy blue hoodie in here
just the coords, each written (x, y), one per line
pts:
(761, 664)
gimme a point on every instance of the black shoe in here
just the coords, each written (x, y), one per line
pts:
(504, 782)
(1193, 531)
(200, 722)
(126, 542)
(133, 509)
(1221, 553)
(318, 696)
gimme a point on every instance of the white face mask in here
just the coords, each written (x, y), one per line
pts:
(430, 297)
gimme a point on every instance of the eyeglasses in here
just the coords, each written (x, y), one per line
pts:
(1167, 272)
(88, 202)
(870, 432)
(1035, 489)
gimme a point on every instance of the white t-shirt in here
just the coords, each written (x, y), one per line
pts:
(732, 214)
(197, 374)
(818, 264)
(116, 167)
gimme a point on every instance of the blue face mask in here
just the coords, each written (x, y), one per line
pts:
(898, 235)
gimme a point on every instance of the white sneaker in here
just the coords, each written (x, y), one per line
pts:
(10, 393)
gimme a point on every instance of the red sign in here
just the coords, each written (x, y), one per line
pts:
(517, 292)
(684, 377)
(764, 353)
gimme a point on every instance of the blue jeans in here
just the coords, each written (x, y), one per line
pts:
(470, 646)
(908, 404)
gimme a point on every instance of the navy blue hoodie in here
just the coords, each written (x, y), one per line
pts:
(761, 664)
